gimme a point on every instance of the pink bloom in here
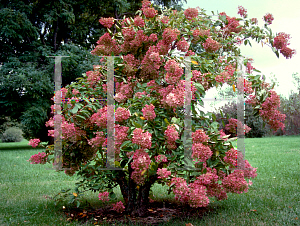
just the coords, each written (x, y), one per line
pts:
(98, 140)
(191, 13)
(139, 22)
(149, 12)
(170, 35)
(165, 20)
(180, 189)
(281, 40)
(231, 157)
(161, 158)
(141, 160)
(100, 118)
(75, 92)
(153, 37)
(118, 207)
(232, 126)
(249, 171)
(199, 136)
(287, 52)
(197, 196)
(104, 196)
(254, 21)
(201, 152)
(183, 45)
(146, 4)
(34, 142)
(39, 158)
(211, 45)
(107, 22)
(122, 114)
(171, 133)
(163, 173)
(242, 11)
(142, 139)
(222, 134)
(268, 18)
(235, 182)
(148, 112)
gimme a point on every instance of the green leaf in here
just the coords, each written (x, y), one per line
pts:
(166, 120)
(137, 124)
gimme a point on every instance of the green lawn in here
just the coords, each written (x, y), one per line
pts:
(273, 199)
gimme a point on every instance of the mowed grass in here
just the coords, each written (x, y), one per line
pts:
(273, 199)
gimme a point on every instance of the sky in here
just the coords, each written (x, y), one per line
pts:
(286, 19)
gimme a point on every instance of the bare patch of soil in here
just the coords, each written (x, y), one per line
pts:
(157, 214)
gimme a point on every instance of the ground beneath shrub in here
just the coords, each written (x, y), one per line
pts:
(157, 213)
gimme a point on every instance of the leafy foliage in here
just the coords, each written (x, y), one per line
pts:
(12, 134)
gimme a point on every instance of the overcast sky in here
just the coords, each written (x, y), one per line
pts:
(286, 15)
(286, 19)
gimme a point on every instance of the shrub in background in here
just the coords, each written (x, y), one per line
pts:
(7, 122)
(291, 107)
(258, 129)
(12, 134)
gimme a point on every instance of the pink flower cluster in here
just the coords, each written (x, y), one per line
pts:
(75, 92)
(249, 171)
(226, 75)
(122, 114)
(183, 45)
(40, 158)
(202, 33)
(148, 112)
(222, 134)
(100, 118)
(269, 111)
(268, 18)
(163, 173)
(106, 46)
(124, 91)
(148, 11)
(139, 22)
(249, 67)
(118, 207)
(198, 196)
(254, 21)
(152, 62)
(98, 140)
(181, 189)
(210, 181)
(242, 11)
(141, 162)
(232, 25)
(235, 182)
(231, 157)
(107, 22)
(194, 194)
(170, 35)
(174, 72)
(165, 20)
(103, 196)
(211, 45)
(171, 135)
(201, 78)
(199, 136)
(191, 13)
(142, 139)
(281, 41)
(201, 152)
(174, 97)
(34, 142)
(232, 126)
(93, 77)
(120, 137)
(161, 158)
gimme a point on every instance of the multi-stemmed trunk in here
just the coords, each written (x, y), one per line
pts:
(136, 199)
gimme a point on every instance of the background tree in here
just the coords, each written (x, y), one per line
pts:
(32, 30)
